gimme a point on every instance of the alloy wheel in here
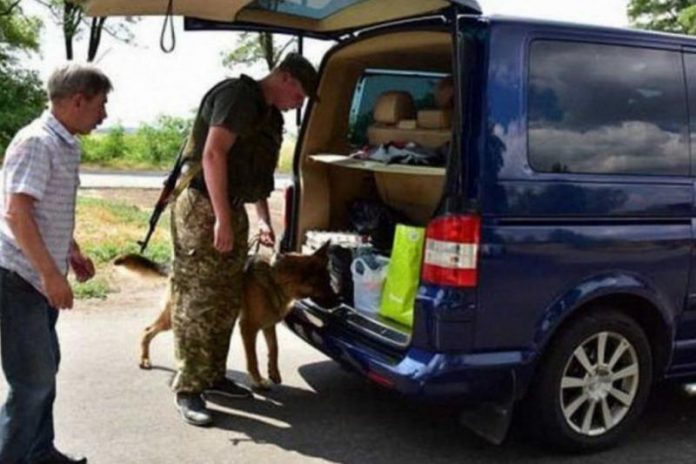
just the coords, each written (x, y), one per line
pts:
(599, 383)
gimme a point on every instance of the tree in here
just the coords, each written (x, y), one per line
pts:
(677, 16)
(70, 16)
(18, 33)
(21, 99)
(257, 46)
(21, 93)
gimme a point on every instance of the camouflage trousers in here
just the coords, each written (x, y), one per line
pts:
(206, 290)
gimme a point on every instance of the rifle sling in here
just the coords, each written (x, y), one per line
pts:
(186, 178)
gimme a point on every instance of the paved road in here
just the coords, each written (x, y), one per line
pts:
(115, 413)
(152, 179)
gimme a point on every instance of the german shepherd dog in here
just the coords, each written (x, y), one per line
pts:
(266, 301)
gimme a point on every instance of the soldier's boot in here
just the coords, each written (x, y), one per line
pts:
(192, 409)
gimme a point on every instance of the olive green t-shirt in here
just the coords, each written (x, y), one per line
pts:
(239, 106)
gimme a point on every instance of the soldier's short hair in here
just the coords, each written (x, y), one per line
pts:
(74, 78)
(301, 69)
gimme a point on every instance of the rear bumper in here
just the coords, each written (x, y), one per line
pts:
(424, 375)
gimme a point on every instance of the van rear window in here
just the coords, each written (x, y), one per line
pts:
(374, 82)
(608, 109)
(313, 9)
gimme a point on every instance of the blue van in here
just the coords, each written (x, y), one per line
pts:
(557, 274)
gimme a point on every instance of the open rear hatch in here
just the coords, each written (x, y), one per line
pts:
(322, 158)
(311, 18)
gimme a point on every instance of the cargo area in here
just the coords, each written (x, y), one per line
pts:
(376, 146)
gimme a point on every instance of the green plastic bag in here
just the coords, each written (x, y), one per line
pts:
(403, 274)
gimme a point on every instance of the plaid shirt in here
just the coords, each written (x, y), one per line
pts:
(42, 161)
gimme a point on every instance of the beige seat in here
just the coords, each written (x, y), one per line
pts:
(390, 109)
(435, 125)
(397, 121)
(434, 128)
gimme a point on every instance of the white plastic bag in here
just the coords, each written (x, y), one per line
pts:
(368, 283)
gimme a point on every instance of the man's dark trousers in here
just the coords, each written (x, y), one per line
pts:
(30, 358)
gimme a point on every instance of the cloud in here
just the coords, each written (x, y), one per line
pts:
(586, 86)
(630, 147)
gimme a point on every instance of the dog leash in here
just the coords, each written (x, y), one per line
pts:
(255, 243)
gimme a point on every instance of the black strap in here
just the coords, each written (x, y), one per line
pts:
(198, 184)
(168, 21)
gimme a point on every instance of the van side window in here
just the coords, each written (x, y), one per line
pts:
(606, 109)
(374, 82)
(690, 60)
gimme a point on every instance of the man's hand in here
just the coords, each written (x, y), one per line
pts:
(57, 290)
(223, 240)
(82, 266)
(266, 234)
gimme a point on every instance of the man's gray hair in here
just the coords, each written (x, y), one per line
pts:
(76, 78)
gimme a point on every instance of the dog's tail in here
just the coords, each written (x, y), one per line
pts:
(141, 266)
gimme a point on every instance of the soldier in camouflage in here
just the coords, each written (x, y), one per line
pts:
(234, 143)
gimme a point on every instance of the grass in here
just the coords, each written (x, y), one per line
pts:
(98, 287)
(106, 229)
(126, 162)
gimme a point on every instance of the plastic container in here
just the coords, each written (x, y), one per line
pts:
(368, 274)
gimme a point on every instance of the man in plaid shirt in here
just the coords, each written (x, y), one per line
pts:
(41, 176)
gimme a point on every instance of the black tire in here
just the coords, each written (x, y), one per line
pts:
(544, 405)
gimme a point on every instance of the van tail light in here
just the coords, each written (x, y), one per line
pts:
(380, 379)
(287, 207)
(451, 251)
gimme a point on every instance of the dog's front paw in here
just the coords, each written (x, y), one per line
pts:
(261, 384)
(274, 375)
(145, 363)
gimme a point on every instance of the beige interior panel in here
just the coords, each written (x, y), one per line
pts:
(326, 189)
(220, 10)
(355, 16)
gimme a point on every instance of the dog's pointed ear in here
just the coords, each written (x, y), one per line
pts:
(323, 251)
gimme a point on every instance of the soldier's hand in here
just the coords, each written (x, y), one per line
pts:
(266, 234)
(58, 291)
(223, 239)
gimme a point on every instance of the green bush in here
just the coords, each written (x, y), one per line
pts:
(108, 147)
(21, 100)
(151, 146)
(165, 138)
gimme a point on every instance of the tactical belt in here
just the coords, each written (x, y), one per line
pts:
(197, 183)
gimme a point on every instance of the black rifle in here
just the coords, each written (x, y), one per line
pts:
(165, 196)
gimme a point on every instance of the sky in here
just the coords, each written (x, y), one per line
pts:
(148, 82)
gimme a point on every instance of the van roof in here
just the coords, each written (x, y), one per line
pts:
(625, 32)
